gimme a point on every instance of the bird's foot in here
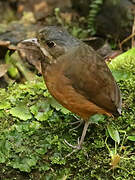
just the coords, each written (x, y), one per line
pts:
(78, 147)
(79, 122)
(80, 142)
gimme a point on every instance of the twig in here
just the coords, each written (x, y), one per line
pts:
(125, 40)
(133, 31)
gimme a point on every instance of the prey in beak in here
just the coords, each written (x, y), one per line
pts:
(34, 41)
(30, 51)
(31, 48)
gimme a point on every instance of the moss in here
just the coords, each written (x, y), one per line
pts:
(32, 141)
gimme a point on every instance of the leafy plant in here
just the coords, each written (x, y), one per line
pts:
(94, 10)
(33, 127)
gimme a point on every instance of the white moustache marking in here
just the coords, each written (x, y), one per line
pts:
(44, 51)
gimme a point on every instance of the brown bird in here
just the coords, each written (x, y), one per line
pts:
(76, 76)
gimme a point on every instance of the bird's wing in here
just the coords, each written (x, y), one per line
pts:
(91, 77)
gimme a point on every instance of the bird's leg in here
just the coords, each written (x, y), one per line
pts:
(78, 120)
(82, 137)
(86, 125)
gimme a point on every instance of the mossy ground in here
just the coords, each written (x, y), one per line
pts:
(33, 127)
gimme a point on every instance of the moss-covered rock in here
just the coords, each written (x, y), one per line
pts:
(33, 127)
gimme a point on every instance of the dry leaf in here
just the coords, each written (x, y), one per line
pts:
(3, 69)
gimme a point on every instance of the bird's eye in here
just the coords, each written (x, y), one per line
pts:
(50, 44)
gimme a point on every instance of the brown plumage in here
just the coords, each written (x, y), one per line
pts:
(77, 76)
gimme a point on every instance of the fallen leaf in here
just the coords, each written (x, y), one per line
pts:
(3, 69)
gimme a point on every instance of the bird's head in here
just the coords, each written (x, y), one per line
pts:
(54, 41)
(50, 43)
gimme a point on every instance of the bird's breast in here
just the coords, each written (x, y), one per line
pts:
(60, 87)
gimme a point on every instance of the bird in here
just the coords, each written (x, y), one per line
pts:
(77, 76)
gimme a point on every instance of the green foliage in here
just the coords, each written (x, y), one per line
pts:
(57, 15)
(33, 127)
(131, 138)
(113, 133)
(27, 138)
(94, 10)
(12, 70)
(79, 32)
(97, 118)
(21, 112)
(124, 63)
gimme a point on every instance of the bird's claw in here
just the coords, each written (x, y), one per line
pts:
(78, 147)
(79, 122)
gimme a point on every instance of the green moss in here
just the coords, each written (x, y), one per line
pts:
(33, 127)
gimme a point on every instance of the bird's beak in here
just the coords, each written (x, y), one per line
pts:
(32, 40)
(28, 44)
